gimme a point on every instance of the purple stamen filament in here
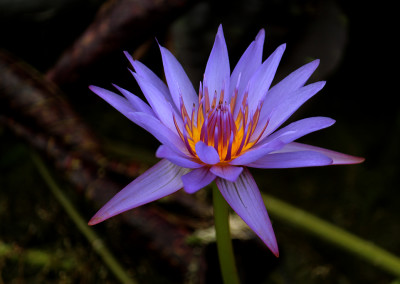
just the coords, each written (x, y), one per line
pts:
(215, 125)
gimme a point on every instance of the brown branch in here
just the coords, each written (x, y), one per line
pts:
(35, 110)
(117, 22)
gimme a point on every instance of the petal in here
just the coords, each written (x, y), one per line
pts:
(119, 103)
(159, 131)
(292, 82)
(227, 172)
(287, 107)
(197, 179)
(178, 82)
(159, 181)
(245, 199)
(217, 72)
(149, 76)
(159, 103)
(207, 154)
(262, 79)
(135, 101)
(256, 153)
(176, 158)
(291, 160)
(281, 91)
(337, 158)
(247, 65)
(299, 128)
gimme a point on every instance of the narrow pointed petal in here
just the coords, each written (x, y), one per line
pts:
(286, 108)
(261, 81)
(136, 102)
(292, 82)
(257, 152)
(158, 102)
(197, 179)
(207, 154)
(117, 101)
(337, 158)
(217, 72)
(230, 173)
(177, 158)
(299, 128)
(292, 160)
(178, 82)
(249, 62)
(149, 75)
(159, 131)
(159, 181)
(284, 89)
(245, 199)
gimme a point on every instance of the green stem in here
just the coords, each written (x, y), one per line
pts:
(224, 242)
(94, 240)
(332, 234)
(36, 257)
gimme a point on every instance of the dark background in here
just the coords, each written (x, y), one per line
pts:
(355, 43)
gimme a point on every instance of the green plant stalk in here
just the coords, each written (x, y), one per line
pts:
(333, 234)
(223, 237)
(94, 240)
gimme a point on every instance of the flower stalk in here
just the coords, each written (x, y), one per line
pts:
(333, 234)
(223, 237)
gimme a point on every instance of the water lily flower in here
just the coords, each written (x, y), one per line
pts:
(229, 126)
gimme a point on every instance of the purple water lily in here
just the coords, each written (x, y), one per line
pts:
(230, 125)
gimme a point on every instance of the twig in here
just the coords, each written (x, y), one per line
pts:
(95, 241)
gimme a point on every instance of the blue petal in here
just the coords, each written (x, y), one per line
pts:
(247, 65)
(207, 154)
(118, 102)
(256, 153)
(136, 102)
(197, 179)
(227, 172)
(217, 73)
(284, 90)
(262, 79)
(287, 107)
(291, 160)
(177, 158)
(178, 82)
(159, 131)
(159, 103)
(298, 129)
(149, 75)
(161, 180)
(245, 199)
(337, 158)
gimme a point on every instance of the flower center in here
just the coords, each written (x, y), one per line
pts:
(214, 123)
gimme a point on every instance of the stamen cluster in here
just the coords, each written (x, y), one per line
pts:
(215, 124)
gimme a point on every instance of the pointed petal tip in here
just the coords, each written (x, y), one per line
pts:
(93, 88)
(316, 62)
(355, 160)
(261, 34)
(96, 219)
(275, 252)
(127, 54)
(282, 47)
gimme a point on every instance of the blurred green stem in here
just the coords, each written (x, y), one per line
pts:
(36, 257)
(332, 234)
(91, 236)
(223, 236)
